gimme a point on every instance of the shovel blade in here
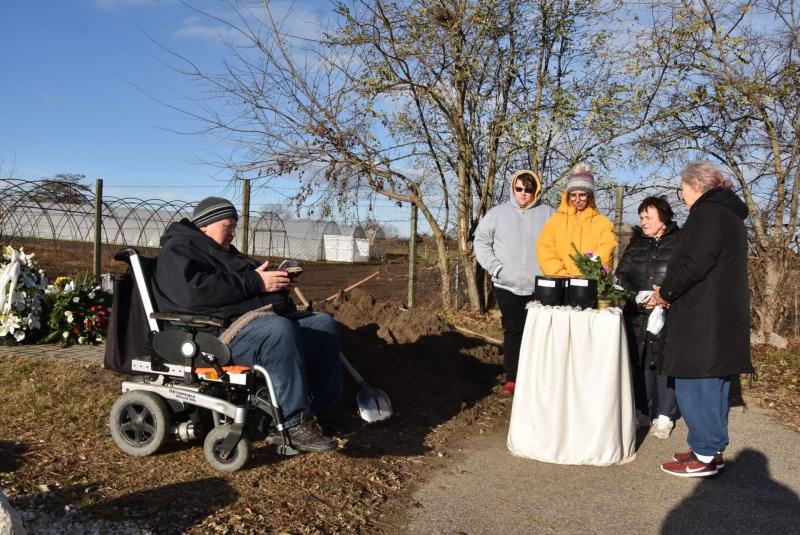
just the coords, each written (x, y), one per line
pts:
(373, 405)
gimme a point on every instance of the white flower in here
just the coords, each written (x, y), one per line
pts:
(81, 339)
(65, 334)
(595, 258)
(75, 300)
(69, 316)
(91, 295)
(69, 287)
(19, 336)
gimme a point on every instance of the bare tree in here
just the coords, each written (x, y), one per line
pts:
(732, 94)
(425, 102)
(65, 188)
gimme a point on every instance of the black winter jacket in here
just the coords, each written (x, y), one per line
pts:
(708, 332)
(644, 264)
(195, 275)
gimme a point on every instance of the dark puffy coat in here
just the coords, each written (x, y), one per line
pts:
(195, 275)
(644, 264)
(708, 332)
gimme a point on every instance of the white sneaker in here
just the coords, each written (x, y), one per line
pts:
(662, 427)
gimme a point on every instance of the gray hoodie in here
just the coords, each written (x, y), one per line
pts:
(505, 244)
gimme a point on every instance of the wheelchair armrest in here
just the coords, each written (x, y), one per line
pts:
(188, 320)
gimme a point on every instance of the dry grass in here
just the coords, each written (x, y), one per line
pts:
(776, 385)
(55, 452)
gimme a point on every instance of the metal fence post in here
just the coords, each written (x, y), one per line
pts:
(412, 255)
(245, 215)
(98, 224)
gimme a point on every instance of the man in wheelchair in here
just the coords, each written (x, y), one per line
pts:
(199, 272)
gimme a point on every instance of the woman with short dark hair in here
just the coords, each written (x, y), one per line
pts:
(644, 264)
(708, 333)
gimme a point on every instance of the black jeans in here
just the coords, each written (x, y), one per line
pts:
(654, 393)
(512, 309)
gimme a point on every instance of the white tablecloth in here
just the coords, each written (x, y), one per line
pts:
(573, 402)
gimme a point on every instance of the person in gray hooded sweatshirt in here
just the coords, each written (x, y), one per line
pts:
(505, 246)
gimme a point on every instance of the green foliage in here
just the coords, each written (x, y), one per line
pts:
(79, 314)
(592, 267)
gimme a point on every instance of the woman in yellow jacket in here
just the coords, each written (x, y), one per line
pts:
(577, 222)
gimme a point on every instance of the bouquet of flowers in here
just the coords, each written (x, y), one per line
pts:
(21, 294)
(78, 312)
(592, 267)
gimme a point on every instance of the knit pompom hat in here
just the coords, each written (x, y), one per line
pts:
(581, 178)
(213, 209)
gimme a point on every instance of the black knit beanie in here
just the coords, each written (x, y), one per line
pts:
(213, 209)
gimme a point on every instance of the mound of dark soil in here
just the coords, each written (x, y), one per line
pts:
(397, 325)
(430, 372)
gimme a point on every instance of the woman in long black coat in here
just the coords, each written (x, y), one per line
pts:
(643, 265)
(708, 332)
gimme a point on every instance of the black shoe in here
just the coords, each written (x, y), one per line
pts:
(307, 436)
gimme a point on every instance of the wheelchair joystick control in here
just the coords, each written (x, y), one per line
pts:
(188, 348)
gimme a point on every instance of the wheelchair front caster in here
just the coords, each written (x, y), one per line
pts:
(212, 447)
(139, 422)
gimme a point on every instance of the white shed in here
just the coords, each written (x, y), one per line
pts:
(305, 238)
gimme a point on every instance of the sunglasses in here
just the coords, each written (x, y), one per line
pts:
(520, 190)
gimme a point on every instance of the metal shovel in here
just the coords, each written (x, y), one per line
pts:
(373, 403)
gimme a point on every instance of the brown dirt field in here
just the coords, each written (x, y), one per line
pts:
(318, 280)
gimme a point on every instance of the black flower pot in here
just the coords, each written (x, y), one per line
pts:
(582, 293)
(550, 290)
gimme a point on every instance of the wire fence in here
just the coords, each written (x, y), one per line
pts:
(66, 211)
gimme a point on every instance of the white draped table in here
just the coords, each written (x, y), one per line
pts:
(573, 402)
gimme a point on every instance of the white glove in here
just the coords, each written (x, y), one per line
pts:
(656, 320)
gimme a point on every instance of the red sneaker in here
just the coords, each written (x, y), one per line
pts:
(508, 388)
(690, 468)
(685, 456)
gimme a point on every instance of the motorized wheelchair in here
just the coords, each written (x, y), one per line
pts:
(185, 389)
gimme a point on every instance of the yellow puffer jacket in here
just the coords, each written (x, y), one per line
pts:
(589, 230)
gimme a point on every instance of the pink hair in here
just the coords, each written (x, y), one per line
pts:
(704, 176)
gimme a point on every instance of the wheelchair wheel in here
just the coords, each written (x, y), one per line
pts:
(213, 444)
(139, 423)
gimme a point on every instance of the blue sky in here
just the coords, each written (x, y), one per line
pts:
(69, 100)
(80, 85)
(82, 90)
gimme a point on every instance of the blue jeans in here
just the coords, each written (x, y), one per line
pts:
(704, 406)
(301, 356)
